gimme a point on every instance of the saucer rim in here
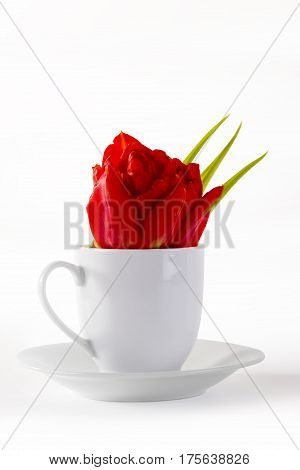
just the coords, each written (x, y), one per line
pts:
(143, 375)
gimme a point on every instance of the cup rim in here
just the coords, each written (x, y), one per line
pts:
(140, 250)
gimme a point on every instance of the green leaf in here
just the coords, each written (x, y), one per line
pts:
(193, 153)
(209, 171)
(232, 181)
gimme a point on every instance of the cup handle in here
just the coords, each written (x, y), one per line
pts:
(78, 276)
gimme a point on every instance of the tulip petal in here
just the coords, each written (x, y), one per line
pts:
(112, 213)
(208, 201)
(196, 219)
(123, 140)
(164, 219)
(113, 153)
(97, 173)
(209, 171)
(194, 152)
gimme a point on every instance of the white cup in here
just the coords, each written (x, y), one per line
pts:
(139, 310)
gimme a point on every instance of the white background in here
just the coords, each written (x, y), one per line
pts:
(164, 72)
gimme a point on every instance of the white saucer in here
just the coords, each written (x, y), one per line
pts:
(209, 363)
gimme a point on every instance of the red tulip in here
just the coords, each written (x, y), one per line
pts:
(197, 218)
(142, 198)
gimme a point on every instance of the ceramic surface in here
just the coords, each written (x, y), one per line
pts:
(135, 307)
(209, 363)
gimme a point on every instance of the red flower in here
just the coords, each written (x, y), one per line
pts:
(142, 198)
